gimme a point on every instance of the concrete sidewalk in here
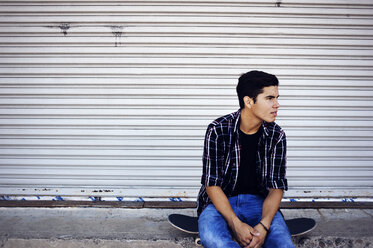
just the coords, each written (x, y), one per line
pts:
(118, 227)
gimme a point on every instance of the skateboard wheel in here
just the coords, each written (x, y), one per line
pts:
(198, 242)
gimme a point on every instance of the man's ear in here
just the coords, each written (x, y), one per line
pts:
(248, 101)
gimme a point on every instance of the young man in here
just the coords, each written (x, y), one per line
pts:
(244, 167)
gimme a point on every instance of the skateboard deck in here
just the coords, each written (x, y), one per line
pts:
(300, 226)
(189, 224)
(184, 223)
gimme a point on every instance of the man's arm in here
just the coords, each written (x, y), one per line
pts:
(270, 206)
(243, 232)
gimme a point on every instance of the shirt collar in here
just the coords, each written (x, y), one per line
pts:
(237, 123)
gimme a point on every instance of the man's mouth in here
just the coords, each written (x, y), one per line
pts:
(274, 113)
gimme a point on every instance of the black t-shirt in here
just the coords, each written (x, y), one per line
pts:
(247, 182)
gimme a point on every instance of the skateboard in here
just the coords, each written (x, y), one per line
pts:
(189, 224)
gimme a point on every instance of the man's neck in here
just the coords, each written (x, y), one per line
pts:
(249, 124)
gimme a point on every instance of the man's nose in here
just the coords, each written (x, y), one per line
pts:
(277, 104)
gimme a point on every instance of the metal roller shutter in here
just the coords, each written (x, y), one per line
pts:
(112, 98)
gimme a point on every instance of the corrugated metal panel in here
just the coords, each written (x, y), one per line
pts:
(112, 98)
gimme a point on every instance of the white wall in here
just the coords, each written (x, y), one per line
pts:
(112, 98)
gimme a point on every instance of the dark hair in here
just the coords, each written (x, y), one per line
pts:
(251, 84)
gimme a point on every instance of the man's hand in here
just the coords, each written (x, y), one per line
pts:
(258, 240)
(243, 233)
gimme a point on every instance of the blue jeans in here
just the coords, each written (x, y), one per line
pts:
(214, 231)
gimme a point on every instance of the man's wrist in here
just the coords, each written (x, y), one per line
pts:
(266, 222)
(234, 221)
(266, 228)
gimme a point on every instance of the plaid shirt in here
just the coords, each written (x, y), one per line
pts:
(221, 157)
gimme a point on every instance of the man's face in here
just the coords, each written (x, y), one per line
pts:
(266, 105)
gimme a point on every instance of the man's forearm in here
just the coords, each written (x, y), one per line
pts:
(221, 203)
(271, 205)
(242, 231)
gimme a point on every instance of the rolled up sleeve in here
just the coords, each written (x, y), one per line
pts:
(277, 175)
(213, 158)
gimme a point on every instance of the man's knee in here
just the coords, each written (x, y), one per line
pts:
(208, 234)
(280, 240)
(210, 239)
(279, 236)
(214, 231)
